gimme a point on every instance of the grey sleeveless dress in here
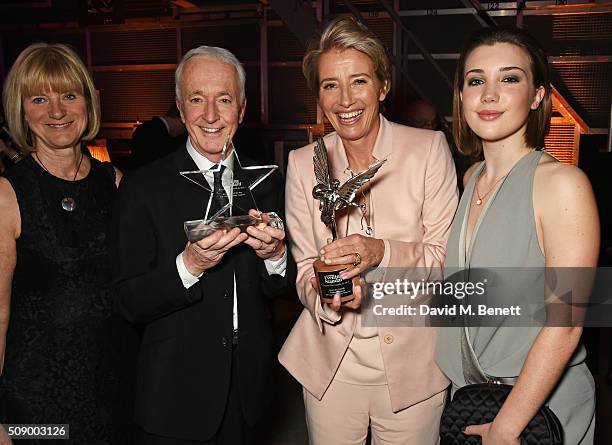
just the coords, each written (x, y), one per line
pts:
(505, 236)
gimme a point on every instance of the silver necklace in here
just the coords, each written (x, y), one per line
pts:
(68, 202)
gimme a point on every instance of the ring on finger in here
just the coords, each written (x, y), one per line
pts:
(357, 261)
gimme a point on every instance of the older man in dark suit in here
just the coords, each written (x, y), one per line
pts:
(205, 359)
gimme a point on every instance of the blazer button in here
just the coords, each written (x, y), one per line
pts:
(388, 339)
(224, 342)
(226, 294)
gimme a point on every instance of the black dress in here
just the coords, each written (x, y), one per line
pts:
(59, 361)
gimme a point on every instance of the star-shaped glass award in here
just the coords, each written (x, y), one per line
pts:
(230, 200)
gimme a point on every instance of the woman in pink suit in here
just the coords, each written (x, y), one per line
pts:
(356, 376)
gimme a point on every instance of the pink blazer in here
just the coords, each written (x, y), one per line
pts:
(414, 197)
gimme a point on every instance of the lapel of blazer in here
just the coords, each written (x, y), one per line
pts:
(382, 192)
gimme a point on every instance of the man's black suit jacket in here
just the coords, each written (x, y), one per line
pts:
(185, 358)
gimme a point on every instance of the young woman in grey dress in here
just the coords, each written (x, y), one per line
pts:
(520, 208)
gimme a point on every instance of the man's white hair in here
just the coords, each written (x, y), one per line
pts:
(216, 53)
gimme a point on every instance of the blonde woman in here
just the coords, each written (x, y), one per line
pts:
(355, 376)
(55, 210)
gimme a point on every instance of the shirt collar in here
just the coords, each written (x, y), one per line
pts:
(203, 162)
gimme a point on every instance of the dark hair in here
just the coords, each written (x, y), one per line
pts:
(538, 121)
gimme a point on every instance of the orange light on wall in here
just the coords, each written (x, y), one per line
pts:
(563, 139)
(99, 151)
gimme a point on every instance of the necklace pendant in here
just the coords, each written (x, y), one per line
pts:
(369, 231)
(478, 201)
(68, 204)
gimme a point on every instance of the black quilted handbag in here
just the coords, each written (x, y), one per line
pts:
(480, 402)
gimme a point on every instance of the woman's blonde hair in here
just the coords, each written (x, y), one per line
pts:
(347, 33)
(40, 68)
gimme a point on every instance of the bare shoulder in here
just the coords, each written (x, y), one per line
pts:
(7, 194)
(562, 195)
(469, 172)
(566, 214)
(9, 209)
(553, 178)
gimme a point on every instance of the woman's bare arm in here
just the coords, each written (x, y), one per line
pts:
(9, 231)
